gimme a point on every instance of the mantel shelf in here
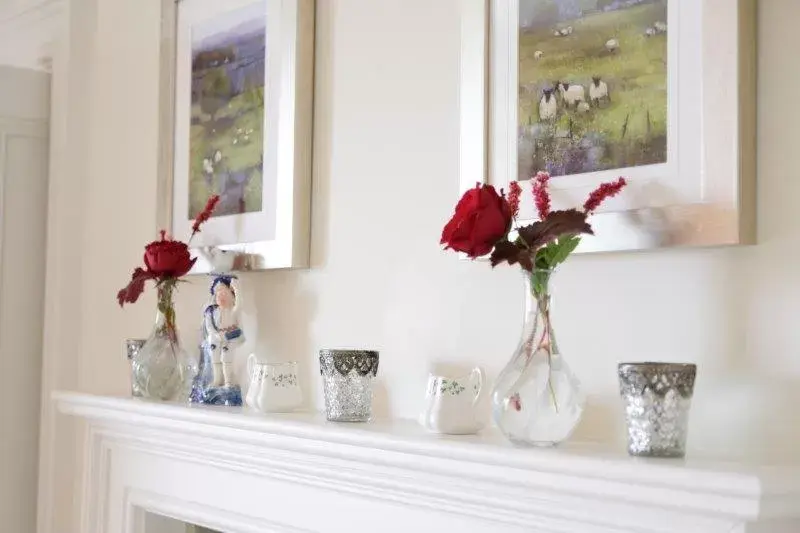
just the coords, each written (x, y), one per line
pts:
(481, 473)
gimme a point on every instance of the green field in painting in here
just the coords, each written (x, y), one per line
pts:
(631, 129)
(237, 131)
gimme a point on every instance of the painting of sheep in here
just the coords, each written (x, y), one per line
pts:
(593, 85)
(227, 115)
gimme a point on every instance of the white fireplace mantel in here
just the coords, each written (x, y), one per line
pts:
(238, 471)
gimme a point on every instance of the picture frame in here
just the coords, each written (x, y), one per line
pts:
(236, 121)
(703, 194)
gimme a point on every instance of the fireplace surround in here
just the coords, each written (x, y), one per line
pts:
(239, 472)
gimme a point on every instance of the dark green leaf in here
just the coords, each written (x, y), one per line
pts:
(566, 245)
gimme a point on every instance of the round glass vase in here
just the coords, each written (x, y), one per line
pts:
(161, 369)
(537, 400)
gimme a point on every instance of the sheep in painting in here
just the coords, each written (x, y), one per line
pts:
(548, 107)
(572, 94)
(649, 32)
(598, 90)
(660, 27)
(568, 30)
(612, 45)
(538, 54)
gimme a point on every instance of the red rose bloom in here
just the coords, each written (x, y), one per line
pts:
(168, 258)
(482, 218)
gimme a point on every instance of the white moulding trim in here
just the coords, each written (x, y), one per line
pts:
(481, 476)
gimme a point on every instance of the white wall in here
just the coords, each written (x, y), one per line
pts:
(24, 105)
(26, 32)
(385, 181)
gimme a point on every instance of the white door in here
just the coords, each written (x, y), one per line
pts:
(24, 108)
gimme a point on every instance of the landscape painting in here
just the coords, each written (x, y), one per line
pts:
(227, 111)
(592, 85)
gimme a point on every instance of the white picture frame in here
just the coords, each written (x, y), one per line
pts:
(277, 235)
(703, 195)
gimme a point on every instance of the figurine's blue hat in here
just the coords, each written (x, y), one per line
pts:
(225, 280)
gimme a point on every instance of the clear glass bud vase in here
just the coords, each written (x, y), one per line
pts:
(537, 400)
(162, 369)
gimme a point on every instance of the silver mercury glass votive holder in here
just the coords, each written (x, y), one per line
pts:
(132, 347)
(657, 399)
(347, 377)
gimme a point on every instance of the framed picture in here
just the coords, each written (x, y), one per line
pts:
(661, 92)
(238, 80)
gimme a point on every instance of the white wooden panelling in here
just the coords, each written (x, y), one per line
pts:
(23, 215)
(237, 471)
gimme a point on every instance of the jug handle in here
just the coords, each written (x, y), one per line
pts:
(477, 375)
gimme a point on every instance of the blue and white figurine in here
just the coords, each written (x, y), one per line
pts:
(215, 383)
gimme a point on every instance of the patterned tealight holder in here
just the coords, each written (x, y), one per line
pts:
(657, 398)
(347, 377)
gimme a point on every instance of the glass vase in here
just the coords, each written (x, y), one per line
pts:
(162, 369)
(537, 400)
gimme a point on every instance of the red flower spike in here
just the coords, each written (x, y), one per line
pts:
(514, 193)
(205, 214)
(599, 195)
(540, 195)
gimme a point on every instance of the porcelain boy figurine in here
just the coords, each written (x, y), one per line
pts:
(221, 329)
(222, 335)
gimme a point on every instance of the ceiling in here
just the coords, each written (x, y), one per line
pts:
(27, 29)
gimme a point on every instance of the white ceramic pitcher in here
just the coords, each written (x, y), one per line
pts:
(451, 404)
(274, 387)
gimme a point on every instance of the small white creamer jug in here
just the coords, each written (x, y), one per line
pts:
(274, 387)
(451, 404)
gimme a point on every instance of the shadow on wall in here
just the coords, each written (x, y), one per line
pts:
(323, 135)
(284, 333)
(732, 415)
(286, 308)
(746, 415)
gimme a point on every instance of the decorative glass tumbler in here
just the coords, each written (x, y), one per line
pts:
(132, 347)
(657, 398)
(347, 377)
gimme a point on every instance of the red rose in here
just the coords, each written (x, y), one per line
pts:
(482, 218)
(167, 258)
